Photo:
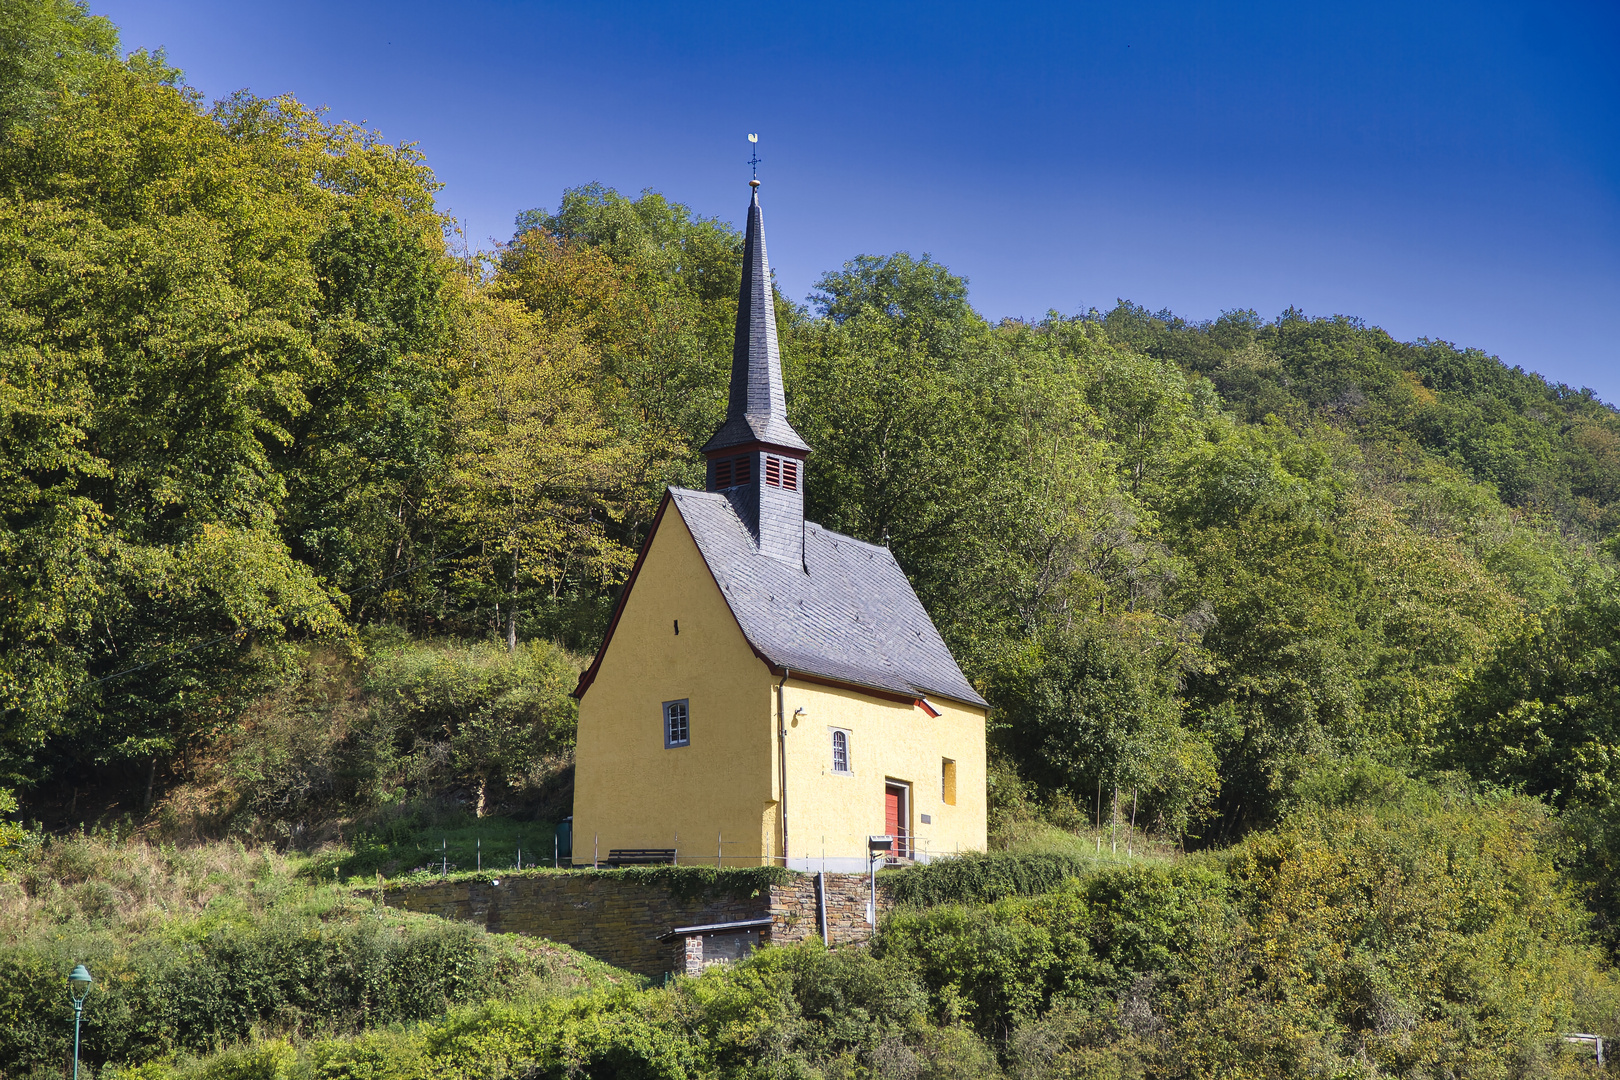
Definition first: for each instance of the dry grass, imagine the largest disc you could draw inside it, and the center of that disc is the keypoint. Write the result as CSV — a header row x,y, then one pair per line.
x,y
1033,835
134,885
295,731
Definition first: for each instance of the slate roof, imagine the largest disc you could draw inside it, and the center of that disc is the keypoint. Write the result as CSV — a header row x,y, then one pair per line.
x,y
756,411
852,618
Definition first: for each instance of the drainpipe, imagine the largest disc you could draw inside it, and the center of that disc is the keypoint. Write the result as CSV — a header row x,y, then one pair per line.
x,y
781,716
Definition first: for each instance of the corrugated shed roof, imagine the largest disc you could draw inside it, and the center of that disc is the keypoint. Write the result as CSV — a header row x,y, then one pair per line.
x,y
853,617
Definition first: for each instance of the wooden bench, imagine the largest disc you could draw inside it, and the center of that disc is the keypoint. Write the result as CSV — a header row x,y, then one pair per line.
x,y
641,856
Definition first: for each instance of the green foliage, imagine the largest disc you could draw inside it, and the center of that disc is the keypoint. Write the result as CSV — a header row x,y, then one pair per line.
x,y
1540,717
47,48
704,882
1425,932
1385,926
653,288
420,737
164,343
1542,713
1096,708
17,842
1404,930
1246,572
983,877
798,1012
913,292
497,714
1548,449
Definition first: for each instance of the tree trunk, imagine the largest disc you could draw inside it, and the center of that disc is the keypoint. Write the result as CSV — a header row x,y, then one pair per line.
x,y
151,780
511,615
483,788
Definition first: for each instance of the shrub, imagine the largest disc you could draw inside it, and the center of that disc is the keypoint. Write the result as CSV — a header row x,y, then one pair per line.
x,y
1426,935
983,878
17,842
797,1012
1002,965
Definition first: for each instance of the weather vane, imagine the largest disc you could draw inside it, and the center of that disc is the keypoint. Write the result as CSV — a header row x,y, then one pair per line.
x,y
754,157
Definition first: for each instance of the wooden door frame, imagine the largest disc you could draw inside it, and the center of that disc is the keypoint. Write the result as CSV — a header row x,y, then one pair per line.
x,y
903,843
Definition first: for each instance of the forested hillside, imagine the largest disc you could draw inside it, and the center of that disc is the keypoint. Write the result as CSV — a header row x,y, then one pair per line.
x,y
307,520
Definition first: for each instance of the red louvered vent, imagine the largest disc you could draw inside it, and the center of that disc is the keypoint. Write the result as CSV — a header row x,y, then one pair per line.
x,y
741,471
790,474
722,474
773,470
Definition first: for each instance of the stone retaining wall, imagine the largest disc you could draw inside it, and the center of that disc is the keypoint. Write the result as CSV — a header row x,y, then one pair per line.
x,y
603,915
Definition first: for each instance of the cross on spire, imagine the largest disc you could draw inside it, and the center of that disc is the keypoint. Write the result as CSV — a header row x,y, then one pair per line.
x,y
753,158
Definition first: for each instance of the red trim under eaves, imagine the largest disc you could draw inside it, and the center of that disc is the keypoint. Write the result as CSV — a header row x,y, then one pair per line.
x,y
870,691
752,447
588,676
840,684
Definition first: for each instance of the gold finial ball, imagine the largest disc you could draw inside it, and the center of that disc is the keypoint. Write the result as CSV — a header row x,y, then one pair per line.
x,y
753,183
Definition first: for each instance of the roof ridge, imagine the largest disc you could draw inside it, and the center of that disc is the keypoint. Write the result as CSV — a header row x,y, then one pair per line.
x,y
852,539
720,496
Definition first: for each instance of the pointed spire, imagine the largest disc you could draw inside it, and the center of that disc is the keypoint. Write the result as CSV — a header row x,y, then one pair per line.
x,y
757,410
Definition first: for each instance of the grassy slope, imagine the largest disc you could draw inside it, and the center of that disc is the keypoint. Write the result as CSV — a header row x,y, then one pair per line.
x,y
195,948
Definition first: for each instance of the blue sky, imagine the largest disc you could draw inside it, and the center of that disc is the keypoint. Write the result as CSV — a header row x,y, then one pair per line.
x,y
1443,170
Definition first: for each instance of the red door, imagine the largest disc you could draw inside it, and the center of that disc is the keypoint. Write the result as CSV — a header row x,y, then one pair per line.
x,y
894,817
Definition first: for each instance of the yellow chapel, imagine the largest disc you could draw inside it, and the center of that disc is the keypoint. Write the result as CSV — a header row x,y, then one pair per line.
x,y
769,691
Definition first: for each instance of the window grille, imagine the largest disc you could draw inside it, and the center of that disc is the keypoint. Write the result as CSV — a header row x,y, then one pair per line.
x,y
677,723
840,751
732,472
781,472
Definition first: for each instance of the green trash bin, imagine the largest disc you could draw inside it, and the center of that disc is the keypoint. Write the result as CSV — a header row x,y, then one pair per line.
x,y
565,839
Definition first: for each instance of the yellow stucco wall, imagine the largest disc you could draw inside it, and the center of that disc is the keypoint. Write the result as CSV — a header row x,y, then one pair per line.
x,y
631,791
888,741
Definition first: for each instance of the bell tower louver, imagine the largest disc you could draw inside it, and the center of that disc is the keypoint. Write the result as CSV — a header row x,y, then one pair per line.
x,y
756,459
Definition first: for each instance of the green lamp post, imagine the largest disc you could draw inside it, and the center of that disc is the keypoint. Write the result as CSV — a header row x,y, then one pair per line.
x,y
79,988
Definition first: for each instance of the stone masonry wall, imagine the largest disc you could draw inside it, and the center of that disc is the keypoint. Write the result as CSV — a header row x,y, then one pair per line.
x,y
620,921
794,915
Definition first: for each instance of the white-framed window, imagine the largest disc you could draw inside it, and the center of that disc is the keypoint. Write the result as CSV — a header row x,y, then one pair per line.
x,y
677,723
840,752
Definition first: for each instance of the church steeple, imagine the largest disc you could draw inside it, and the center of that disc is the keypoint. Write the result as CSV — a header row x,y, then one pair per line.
x,y
756,458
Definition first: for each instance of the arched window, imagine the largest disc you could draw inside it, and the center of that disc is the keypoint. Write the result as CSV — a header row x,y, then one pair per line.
x,y
677,723
840,751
